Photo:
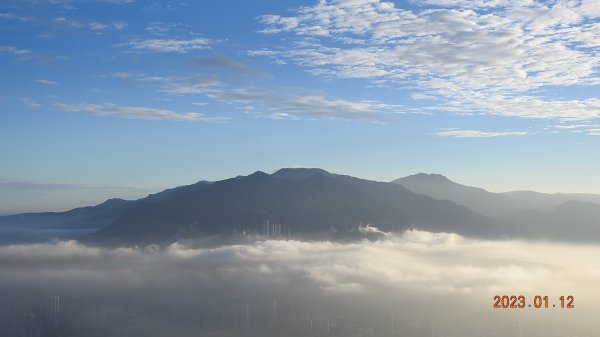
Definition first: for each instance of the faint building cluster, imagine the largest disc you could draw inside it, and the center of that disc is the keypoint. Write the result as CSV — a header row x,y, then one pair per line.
x,y
267,231
268,317
32,319
275,231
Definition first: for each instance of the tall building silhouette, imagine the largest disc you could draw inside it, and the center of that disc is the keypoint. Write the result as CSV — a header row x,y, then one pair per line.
x,y
52,312
274,310
266,229
246,316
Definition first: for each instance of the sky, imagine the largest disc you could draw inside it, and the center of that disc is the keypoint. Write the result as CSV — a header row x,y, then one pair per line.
x,y
121,98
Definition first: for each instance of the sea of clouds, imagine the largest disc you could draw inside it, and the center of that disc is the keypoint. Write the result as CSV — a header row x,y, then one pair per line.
x,y
415,275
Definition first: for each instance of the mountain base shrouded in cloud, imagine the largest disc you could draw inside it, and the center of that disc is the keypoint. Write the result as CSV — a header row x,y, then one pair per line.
x,y
411,284
313,204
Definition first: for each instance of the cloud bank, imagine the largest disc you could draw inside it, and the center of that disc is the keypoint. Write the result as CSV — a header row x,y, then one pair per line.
x,y
418,275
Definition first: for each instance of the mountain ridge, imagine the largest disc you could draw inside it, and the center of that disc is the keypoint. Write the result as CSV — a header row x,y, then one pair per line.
x,y
560,216
313,201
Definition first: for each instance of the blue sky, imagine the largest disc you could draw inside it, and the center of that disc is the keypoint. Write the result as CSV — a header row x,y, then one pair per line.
x,y
123,98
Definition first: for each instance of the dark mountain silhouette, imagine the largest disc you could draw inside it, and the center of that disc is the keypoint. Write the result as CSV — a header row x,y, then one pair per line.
x,y
316,204
299,173
312,201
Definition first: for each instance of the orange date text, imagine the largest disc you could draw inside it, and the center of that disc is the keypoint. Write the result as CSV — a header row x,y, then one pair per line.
x,y
537,302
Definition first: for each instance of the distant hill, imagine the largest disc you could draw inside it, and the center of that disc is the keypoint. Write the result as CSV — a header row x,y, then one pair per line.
x,y
439,187
77,223
560,216
570,221
547,202
73,224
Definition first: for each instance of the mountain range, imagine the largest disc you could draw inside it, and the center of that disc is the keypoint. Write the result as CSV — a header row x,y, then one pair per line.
x,y
315,204
560,216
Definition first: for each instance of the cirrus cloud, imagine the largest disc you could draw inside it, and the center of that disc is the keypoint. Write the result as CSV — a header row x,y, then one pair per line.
x,y
169,45
137,112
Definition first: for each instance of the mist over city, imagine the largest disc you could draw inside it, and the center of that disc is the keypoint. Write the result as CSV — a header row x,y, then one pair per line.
x,y
410,284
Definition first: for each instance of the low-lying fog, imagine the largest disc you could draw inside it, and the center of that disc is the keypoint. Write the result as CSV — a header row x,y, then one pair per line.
x,y
413,284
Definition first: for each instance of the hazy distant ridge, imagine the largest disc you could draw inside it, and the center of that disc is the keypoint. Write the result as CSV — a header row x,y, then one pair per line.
x,y
573,216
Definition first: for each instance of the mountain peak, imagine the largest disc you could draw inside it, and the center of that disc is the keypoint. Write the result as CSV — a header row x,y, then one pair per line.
x,y
295,173
431,177
258,174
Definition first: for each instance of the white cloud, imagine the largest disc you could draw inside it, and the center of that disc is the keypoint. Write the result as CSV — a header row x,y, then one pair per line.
x,y
169,45
278,24
48,82
172,85
140,77
136,112
571,126
283,105
30,103
261,52
593,132
473,3
91,25
477,133
197,87
65,22
422,96
457,50
11,16
13,50
161,28
521,106
589,8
